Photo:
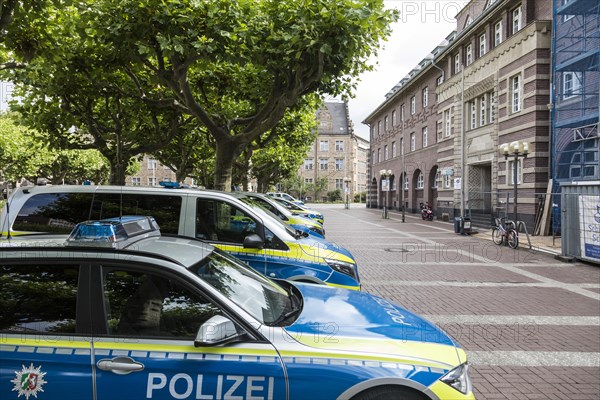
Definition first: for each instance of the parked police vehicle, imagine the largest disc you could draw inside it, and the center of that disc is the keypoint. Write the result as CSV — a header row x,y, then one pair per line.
x,y
119,311
262,241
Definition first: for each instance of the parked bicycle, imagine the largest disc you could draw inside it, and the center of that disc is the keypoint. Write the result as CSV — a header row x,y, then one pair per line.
x,y
505,232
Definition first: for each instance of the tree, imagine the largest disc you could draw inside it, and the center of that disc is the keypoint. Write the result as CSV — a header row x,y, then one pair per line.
x,y
72,90
237,66
321,185
189,153
282,156
19,154
24,154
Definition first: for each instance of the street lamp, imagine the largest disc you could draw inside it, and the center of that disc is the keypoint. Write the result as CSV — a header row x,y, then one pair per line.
x,y
517,149
385,188
347,192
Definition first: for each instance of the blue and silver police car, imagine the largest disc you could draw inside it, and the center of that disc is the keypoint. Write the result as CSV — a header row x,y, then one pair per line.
x,y
120,312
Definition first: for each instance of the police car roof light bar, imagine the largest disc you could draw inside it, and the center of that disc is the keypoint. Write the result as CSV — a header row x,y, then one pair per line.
x,y
113,232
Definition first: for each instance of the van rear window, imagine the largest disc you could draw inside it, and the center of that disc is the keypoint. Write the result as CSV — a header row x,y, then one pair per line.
x,y
59,212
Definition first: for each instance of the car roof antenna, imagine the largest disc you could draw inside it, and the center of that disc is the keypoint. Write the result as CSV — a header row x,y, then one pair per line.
x,y
8,218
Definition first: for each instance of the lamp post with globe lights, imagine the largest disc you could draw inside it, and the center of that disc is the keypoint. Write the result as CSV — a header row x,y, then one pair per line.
x,y
517,149
385,175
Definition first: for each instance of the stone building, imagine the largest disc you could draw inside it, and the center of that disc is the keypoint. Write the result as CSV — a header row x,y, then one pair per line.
x,y
337,155
152,172
439,129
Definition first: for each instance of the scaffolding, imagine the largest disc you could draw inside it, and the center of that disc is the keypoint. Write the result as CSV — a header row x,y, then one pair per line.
x,y
576,90
575,94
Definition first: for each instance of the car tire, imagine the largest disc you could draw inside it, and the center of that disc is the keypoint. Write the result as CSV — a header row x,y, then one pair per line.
x,y
389,392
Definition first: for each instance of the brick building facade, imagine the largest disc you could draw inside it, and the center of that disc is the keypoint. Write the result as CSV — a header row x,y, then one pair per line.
x,y
486,84
337,155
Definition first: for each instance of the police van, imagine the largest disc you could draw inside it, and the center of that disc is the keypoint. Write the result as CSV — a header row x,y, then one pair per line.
x,y
119,311
264,242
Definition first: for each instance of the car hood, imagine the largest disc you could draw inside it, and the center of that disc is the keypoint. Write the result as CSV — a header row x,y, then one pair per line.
x,y
323,246
357,322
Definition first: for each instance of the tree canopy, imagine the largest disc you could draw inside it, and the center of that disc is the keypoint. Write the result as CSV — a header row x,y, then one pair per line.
x,y
128,74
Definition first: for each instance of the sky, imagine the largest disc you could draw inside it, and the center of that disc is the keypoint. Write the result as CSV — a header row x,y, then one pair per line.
x,y
422,26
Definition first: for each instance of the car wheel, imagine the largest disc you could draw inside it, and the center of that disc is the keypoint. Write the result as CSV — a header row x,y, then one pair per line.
x,y
389,392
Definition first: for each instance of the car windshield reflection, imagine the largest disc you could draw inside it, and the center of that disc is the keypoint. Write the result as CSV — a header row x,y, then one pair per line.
x,y
260,297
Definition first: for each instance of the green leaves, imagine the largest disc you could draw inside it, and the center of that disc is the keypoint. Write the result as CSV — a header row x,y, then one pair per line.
x,y
125,72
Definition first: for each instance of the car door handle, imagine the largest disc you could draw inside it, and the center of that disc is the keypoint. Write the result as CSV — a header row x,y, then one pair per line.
x,y
120,365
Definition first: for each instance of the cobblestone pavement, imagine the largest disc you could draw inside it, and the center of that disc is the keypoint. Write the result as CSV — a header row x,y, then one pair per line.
x,y
529,323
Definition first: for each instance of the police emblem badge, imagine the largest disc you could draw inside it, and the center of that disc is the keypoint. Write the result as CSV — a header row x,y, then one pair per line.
x,y
29,381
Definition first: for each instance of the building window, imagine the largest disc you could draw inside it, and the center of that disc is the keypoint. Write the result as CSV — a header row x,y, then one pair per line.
x,y
413,105
308,164
402,113
571,84
406,182
151,181
497,33
425,97
511,169
413,142
394,118
385,152
482,45
378,127
482,110
323,164
436,180
386,123
308,180
469,54
339,145
473,105
152,164
393,149
457,63
440,79
446,181
324,145
420,181
516,20
515,93
567,17
492,107
339,184
136,181
447,125
424,135
379,155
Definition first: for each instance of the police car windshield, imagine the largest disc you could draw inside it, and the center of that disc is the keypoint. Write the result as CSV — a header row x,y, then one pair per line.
x,y
276,220
260,297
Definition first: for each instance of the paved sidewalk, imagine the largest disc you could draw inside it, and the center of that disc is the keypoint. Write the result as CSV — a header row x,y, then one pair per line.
x,y
530,323
545,244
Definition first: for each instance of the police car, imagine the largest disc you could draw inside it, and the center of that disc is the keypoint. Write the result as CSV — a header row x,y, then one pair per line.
x,y
263,241
120,312
298,222
299,209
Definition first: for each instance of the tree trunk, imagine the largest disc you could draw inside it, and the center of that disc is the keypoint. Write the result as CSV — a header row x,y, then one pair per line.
x,y
117,174
226,154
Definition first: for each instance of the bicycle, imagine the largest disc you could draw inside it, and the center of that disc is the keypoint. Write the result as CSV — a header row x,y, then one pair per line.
x,y
504,232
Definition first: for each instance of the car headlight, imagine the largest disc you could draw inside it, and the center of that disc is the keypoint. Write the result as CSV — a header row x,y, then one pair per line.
x,y
459,379
342,266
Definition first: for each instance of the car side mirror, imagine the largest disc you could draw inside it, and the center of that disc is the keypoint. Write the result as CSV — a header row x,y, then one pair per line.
x,y
253,241
217,330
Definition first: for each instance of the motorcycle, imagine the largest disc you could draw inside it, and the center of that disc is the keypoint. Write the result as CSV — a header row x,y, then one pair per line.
x,y
426,212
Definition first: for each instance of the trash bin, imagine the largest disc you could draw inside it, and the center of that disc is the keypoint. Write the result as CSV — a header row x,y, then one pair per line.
x,y
465,226
457,224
